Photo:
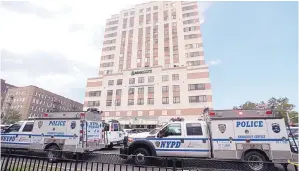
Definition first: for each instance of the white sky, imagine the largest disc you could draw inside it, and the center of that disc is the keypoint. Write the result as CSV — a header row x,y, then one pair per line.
x,y
72,29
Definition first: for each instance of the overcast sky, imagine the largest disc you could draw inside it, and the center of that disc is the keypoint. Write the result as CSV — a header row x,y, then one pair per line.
x,y
56,45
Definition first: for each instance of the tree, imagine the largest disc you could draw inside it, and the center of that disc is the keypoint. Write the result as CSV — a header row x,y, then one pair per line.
x,y
282,105
11,116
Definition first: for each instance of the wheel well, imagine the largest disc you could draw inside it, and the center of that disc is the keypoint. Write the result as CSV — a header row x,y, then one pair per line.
x,y
49,145
256,150
141,146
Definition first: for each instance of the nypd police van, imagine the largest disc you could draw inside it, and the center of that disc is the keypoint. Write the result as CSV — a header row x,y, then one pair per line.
x,y
113,133
250,135
59,133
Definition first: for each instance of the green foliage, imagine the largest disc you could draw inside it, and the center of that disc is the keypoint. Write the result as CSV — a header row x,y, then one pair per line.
x,y
11,116
281,104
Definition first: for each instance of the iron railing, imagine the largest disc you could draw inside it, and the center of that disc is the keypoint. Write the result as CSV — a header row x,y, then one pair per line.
x,y
36,161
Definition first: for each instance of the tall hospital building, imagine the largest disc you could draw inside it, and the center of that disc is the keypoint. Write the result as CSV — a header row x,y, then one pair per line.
x,y
152,66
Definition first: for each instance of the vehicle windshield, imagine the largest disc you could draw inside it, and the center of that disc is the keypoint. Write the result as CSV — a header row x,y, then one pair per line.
x,y
154,131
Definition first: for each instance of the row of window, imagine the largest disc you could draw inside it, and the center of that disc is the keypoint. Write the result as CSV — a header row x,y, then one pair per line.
x,y
111,48
193,46
165,89
107,57
108,64
150,101
194,63
191,36
193,54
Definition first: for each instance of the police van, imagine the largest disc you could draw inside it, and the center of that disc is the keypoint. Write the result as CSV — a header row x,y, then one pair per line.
x,y
113,133
59,133
250,135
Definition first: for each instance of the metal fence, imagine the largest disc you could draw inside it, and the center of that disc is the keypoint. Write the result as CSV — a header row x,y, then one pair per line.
x,y
36,161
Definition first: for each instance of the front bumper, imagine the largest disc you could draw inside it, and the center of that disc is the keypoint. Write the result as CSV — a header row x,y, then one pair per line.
x,y
124,152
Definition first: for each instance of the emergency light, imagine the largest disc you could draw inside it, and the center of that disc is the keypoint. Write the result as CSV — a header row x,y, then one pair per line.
x,y
46,115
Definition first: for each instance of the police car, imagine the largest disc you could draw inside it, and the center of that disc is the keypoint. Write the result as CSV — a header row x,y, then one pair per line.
x,y
59,133
113,133
250,135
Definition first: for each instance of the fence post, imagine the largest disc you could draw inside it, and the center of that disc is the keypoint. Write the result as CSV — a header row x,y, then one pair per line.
x,y
8,157
173,164
77,160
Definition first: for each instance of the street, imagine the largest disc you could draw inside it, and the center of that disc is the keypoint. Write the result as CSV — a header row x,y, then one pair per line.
x,y
103,160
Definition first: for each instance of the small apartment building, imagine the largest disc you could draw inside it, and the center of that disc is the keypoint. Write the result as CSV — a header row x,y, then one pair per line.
x,y
32,101
152,65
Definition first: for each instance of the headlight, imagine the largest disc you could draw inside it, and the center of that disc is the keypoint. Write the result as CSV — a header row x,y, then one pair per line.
x,y
130,140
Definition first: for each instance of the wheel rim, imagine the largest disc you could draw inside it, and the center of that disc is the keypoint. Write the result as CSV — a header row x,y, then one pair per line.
x,y
140,158
255,162
52,154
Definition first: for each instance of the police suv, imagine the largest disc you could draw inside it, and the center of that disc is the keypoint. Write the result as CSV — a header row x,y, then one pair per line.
x,y
59,133
250,135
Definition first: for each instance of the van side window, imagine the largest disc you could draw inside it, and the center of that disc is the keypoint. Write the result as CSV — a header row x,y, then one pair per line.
x,y
194,129
174,129
28,127
14,128
115,127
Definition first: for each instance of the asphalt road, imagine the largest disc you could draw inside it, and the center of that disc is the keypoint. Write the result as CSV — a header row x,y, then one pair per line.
x,y
103,160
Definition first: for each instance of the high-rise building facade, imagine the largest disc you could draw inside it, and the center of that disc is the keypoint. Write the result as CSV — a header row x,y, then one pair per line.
x,y
4,88
152,63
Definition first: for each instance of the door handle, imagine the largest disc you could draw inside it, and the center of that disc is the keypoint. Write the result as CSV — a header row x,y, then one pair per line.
x,y
182,140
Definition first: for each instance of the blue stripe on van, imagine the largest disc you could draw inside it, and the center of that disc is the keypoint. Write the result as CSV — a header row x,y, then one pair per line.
x,y
187,150
214,139
38,135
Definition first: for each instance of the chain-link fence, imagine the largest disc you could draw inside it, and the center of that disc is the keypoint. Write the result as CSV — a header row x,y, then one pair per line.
x,y
42,161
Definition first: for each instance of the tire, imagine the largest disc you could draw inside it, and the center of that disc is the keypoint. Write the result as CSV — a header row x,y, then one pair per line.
x,y
110,146
140,157
257,157
53,153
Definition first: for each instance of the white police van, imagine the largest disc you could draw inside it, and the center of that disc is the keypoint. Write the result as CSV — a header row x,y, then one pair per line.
x,y
59,133
251,135
113,133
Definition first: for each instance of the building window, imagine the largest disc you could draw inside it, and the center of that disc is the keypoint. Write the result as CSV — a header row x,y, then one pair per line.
x,y
131,90
151,79
94,93
91,104
176,88
119,82
176,99
197,99
140,101
175,77
118,92
117,102
165,100
108,102
110,82
132,81
150,101
131,102
140,90
192,87
155,7
164,77
151,89
109,92
165,89
141,80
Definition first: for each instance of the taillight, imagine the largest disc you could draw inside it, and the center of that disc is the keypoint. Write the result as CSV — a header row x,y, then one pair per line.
x,y
269,112
212,113
46,115
82,114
